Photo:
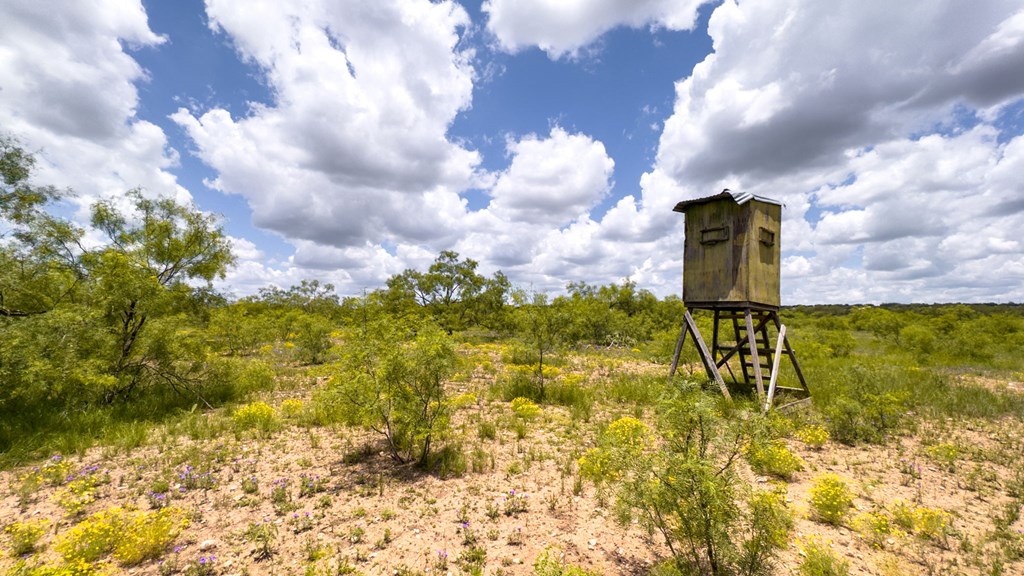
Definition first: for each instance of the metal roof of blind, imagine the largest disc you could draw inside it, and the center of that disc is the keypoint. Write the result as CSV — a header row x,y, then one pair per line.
x,y
738,197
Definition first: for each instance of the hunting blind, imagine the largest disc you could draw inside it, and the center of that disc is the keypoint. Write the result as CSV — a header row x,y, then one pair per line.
x,y
731,267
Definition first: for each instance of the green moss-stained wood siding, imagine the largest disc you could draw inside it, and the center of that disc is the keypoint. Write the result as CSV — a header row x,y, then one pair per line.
x,y
736,267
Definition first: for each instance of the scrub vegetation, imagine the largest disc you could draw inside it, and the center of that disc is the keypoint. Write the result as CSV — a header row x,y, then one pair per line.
x,y
450,423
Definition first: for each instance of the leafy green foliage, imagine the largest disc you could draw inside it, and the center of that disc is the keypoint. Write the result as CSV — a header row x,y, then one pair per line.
x,y
451,291
88,326
541,327
392,381
684,486
312,338
770,521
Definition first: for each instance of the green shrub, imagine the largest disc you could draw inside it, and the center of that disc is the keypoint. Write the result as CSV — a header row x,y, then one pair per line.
x,y
770,523
462,400
312,338
293,409
869,418
254,376
831,499
262,535
684,484
622,442
392,381
927,523
944,454
933,524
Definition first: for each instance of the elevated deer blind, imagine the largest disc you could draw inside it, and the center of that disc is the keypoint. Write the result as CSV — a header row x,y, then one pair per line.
x,y
731,267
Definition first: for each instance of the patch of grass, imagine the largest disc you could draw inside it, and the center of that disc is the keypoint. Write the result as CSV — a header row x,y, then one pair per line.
x,y
549,564
573,395
487,430
634,389
450,461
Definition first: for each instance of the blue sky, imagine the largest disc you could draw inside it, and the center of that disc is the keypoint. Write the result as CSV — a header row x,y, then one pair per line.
x,y
347,141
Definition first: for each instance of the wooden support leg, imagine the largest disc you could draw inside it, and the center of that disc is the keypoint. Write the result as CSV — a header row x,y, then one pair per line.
x,y
792,356
679,350
775,368
705,354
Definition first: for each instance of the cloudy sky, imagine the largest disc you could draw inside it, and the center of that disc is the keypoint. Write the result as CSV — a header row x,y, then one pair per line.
x,y
347,140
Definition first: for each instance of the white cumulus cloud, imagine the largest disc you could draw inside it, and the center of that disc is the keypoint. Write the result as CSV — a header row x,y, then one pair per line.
x,y
561,27
68,94
354,146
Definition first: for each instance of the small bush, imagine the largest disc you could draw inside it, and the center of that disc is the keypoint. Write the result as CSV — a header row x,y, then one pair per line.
x,y
487,430
945,455
524,408
597,466
774,458
814,435
255,376
876,527
25,535
771,521
932,524
831,499
621,443
462,400
293,409
820,561
258,416
263,535
927,523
